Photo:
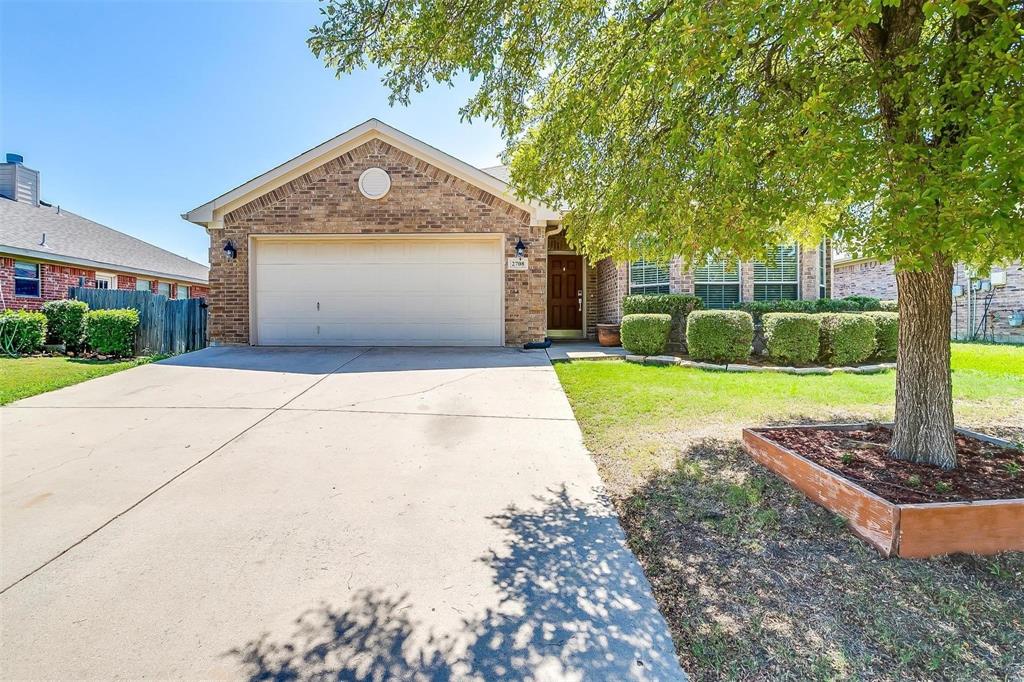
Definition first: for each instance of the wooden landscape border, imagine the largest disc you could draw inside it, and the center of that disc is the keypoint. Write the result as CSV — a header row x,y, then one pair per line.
x,y
904,530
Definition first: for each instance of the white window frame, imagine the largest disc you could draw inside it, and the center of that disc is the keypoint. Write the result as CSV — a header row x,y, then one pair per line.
x,y
38,279
822,269
109,278
656,287
149,284
778,278
727,278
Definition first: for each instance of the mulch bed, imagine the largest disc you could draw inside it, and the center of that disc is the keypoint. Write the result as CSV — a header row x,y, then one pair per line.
x,y
984,471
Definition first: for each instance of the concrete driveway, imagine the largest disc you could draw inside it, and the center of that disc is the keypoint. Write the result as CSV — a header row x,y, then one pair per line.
x,y
293,513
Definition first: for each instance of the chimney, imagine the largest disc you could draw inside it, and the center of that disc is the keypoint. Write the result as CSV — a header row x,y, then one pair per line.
x,y
18,182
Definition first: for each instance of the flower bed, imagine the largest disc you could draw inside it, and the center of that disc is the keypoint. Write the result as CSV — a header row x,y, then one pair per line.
x,y
901,508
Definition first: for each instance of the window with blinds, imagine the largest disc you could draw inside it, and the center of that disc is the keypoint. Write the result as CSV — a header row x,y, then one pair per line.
x,y
647,277
778,279
717,284
822,269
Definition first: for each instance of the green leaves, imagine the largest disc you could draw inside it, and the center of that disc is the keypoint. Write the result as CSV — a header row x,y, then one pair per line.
x,y
734,125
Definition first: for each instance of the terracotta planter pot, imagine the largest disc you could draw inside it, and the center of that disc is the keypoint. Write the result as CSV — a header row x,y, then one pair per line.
x,y
608,335
905,530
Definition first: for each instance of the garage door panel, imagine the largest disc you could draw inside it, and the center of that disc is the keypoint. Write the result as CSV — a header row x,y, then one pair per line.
x,y
379,292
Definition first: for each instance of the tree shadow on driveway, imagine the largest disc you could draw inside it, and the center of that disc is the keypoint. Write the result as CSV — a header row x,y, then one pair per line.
x,y
574,605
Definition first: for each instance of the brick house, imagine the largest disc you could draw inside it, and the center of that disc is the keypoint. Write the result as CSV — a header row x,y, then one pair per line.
x,y
376,238
983,307
45,249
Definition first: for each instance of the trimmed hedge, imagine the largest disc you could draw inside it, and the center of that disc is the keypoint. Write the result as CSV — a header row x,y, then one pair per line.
x,y
112,332
645,333
846,338
21,331
851,304
65,322
792,337
664,304
887,333
865,303
719,335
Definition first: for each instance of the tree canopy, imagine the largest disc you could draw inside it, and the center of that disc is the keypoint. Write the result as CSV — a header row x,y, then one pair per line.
x,y
732,125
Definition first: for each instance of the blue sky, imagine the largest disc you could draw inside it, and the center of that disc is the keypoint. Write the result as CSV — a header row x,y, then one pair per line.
x,y
137,112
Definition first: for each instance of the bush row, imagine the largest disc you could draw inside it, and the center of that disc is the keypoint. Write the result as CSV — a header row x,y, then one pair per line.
x,y
108,332
794,338
850,304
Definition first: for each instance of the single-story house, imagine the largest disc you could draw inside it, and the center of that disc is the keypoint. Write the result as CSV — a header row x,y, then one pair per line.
x,y
376,238
45,249
985,306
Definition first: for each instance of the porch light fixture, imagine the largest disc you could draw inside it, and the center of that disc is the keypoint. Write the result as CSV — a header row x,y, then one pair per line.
x,y
229,250
520,248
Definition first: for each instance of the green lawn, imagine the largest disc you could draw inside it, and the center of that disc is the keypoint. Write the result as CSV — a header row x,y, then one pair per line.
x,y
756,582
24,377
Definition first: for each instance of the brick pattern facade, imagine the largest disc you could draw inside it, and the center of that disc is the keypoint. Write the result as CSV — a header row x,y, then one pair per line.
x,y
978,315
613,282
55,279
423,200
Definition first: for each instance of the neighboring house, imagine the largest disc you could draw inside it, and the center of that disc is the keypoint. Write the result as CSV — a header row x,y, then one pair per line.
x,y
375,237
45,249
987,307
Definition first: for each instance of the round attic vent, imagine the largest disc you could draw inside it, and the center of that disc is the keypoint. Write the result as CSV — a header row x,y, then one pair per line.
x,y
374,183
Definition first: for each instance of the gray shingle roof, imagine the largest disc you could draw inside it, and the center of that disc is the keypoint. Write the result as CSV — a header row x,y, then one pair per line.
x,y
500,172
71,236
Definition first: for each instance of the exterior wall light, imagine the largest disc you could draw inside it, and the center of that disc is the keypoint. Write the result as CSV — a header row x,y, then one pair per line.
x,y
229,250
520,248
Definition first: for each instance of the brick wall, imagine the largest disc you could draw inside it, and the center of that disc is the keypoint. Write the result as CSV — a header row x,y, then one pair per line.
x,y
613,282
864,278
978,315
423,200
55,280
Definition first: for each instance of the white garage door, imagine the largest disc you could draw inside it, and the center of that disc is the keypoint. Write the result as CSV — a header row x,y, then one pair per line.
x,y
395,292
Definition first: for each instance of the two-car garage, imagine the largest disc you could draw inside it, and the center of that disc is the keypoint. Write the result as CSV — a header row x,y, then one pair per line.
x,y
437,290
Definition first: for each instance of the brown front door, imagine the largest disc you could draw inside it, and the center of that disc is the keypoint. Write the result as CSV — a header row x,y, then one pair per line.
x,y
565,292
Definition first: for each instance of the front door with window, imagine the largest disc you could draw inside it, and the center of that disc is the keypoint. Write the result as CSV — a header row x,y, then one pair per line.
x,y
565,293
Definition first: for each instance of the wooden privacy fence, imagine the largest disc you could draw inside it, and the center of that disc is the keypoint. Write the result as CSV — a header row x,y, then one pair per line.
x,y
165,326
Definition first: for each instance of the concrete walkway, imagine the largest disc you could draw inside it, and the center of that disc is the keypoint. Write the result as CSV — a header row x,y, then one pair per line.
x,y
408,514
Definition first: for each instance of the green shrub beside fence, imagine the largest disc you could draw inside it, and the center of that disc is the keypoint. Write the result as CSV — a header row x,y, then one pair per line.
x,y
21,331
719,335
112,332
792,337
846,338
645,333
65,322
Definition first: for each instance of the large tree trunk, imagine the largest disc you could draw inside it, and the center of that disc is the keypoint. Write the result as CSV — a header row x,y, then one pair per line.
x,y
924,391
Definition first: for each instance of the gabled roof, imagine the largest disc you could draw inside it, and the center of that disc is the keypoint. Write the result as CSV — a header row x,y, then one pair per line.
x,y
75,240
211,214
500,172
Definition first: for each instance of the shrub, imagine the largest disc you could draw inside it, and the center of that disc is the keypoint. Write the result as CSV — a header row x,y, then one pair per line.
x,y
111,332
719,335
864,302
21,331
820,305
65,322
889,306
887,332
792,337
664,304
645,333
846,338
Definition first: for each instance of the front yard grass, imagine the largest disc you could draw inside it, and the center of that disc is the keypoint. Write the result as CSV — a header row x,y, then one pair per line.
x,y
24,377
758,583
